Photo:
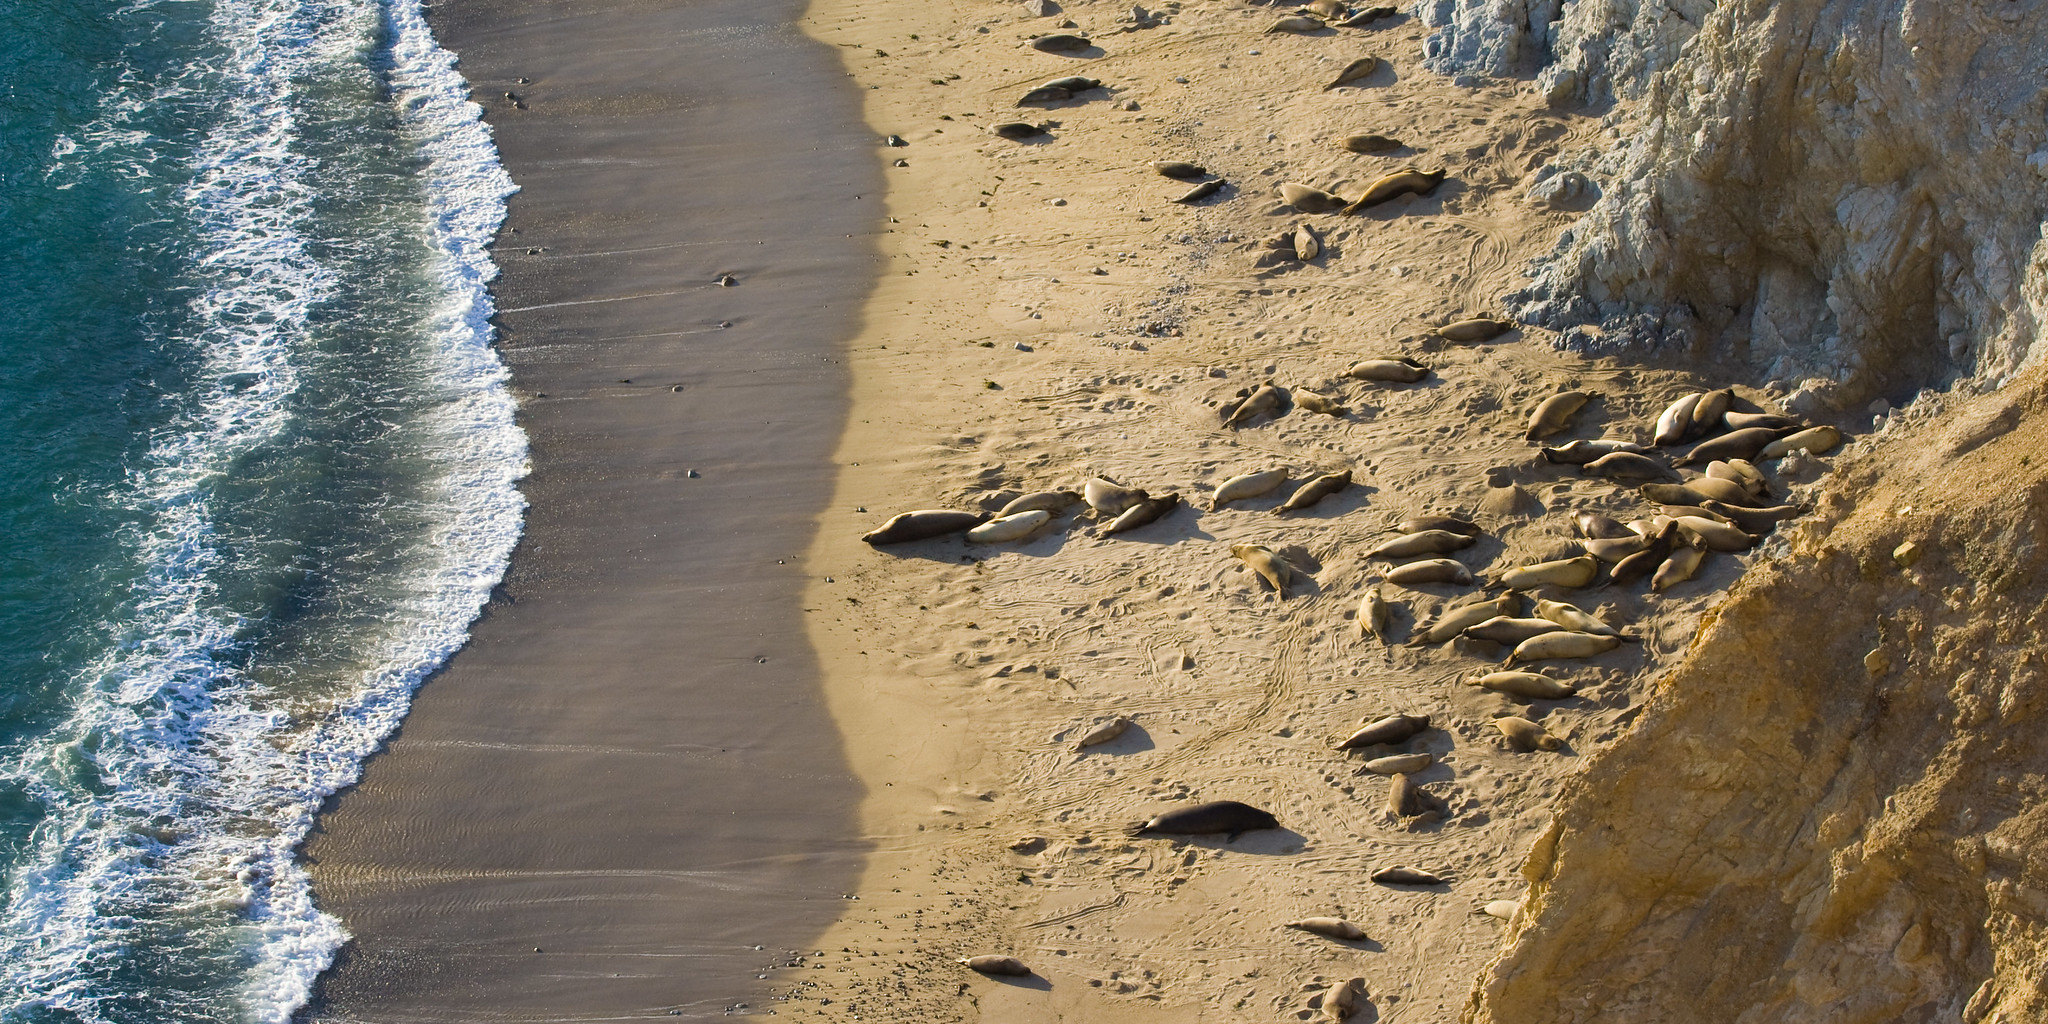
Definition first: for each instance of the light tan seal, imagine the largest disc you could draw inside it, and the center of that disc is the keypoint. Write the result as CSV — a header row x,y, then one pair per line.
x,y
1309,199
1363,67
1555,413
1105,732
1430,570
1307,244
1478,328
1048,501
1269,565
1425,542
1314,491
1388,730
1561,644
993,963
1457,619
1250,485
1299,24
1814,440
1263,400
1330,928
1525,736
1373,614
1532,685
1109,498
1564,572
1390,370
1015,526
1397,184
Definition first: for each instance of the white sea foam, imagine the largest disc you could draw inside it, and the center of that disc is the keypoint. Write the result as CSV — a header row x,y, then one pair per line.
x,y
179,786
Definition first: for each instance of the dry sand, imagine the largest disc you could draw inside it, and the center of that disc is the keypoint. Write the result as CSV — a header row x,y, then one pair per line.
x,y
1048,314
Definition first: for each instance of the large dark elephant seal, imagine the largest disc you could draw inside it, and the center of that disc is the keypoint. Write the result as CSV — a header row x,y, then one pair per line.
x,y
923,524
1399,183
1217,817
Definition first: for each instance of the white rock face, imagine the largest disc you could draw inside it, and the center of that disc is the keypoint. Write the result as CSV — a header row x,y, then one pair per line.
x,y
1846,196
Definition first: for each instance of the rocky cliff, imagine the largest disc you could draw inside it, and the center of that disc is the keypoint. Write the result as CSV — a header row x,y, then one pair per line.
x,y
1845,196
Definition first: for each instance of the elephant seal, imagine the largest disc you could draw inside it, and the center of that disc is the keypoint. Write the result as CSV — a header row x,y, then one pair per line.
x,y
1344,1000
1815,440
1532,685
1147,511
1614,550
1309,401
1399,370
1367,16
1217,817
1299,24
1105,732
1059,89
1743,420
1426,542
1325,9
1525,736
1388,730
1676,421
1370,145
1397,184
1508,630
1330,928
1430,570
1677,569
1555,413
1060,42
1707,413
1179,169
1564,572
1580,453
1363,67
1646,561
923,524
1753,520
1314,491
1264,400
1016,526
1373,613
1018,130
1713,536
1692,492
1561,644
1403,875
1250,485
1275,569
1201,192
1741,444
1457,619
1593,524
1626,466
1307,244
1571,616
1478,328
1502,909
1049,501
1109,498
1309,199
1404,797
1742,471
1448,524
991,963
1400,764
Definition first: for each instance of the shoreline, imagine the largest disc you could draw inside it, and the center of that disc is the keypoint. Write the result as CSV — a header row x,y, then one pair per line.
x,y
629,766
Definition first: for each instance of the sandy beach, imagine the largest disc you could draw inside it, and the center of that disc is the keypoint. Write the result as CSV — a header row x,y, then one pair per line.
x,y
625,797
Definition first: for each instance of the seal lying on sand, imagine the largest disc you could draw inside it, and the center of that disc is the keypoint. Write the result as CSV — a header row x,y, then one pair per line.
x,y
1391,369
1314,491
1399,183
1478,328
1227,817
923,524
1309,199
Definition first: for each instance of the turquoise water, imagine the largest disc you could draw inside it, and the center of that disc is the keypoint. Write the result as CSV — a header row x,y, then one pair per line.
x,y
257,472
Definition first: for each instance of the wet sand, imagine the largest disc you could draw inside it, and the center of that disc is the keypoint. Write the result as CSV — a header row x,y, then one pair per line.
x,y
631,766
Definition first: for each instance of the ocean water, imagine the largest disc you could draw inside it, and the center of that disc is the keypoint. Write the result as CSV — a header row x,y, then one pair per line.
x,y
258,472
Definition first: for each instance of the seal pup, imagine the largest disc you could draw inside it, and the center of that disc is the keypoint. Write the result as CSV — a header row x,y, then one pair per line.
x,y
1571,616
1015,526
1626,466
1478,328
1179,169
922,524
1560,645
1525,736
1363,67
1449,524
1307,244
1049,501
1309,199
1430,570
1060,42
1370,145
1344,1000
1299,24
1532,685
1109,498
1563,572
1330,928
1580,453
1681,566
1262,559
1458,618
1373,614
1146,511
1400,764
1509,631
1389,730
1813,440
1018,130
1397,184
1105,732
1309,401
1314,491
992,963
1201,191
1425,542
1675,421
1226,817
1391,370
1264,400
1555,413
1250,485
1741,444
1403,875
